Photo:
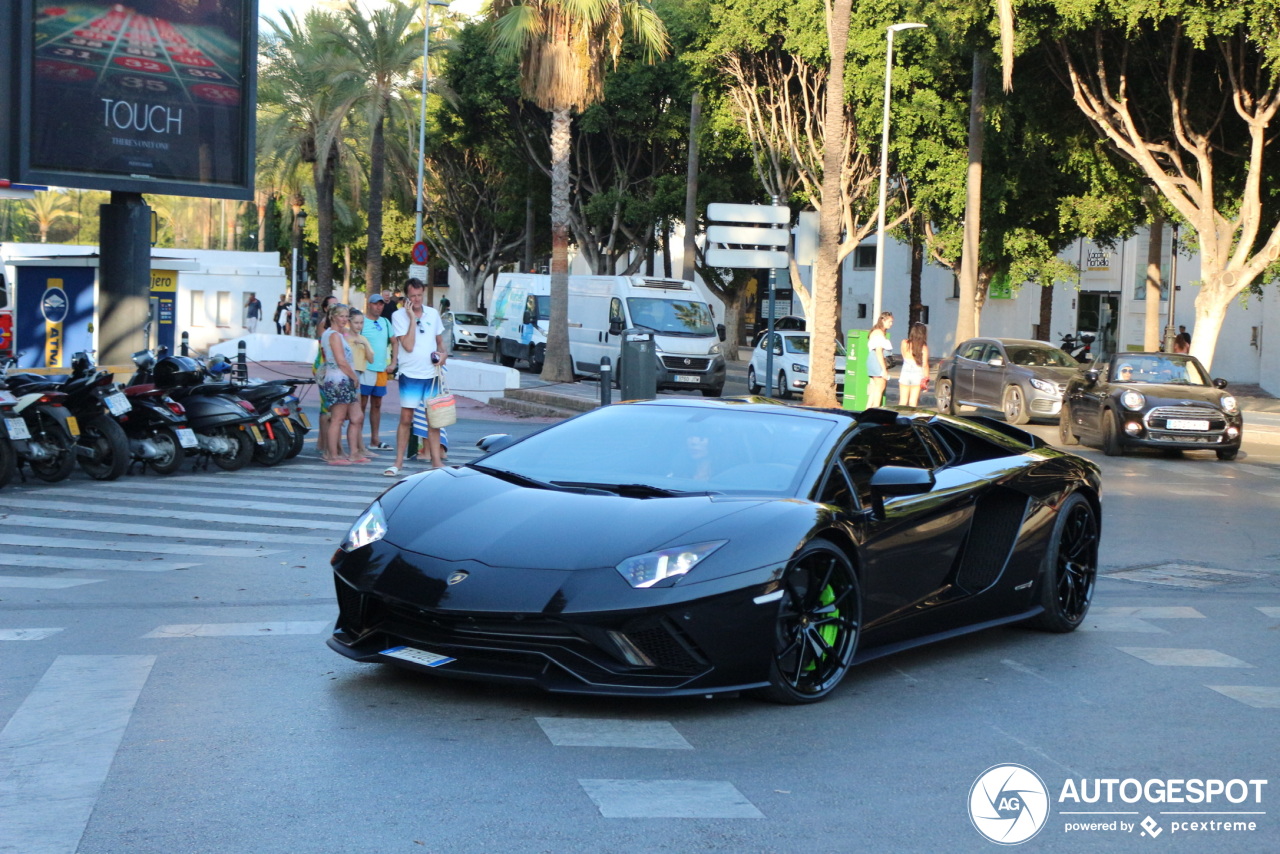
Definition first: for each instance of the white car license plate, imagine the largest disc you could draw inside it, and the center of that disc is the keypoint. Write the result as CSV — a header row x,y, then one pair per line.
x,y
417,656
1183,424
187,437
118,403
686,378
17,428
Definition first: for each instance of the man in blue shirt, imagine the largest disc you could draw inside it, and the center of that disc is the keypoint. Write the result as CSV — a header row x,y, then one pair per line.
x,y
373,382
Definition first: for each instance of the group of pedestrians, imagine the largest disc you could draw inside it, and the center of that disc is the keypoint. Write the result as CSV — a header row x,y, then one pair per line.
x,y
358,355
914,376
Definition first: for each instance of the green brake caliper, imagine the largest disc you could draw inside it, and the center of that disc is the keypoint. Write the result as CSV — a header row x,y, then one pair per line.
x,y
830,631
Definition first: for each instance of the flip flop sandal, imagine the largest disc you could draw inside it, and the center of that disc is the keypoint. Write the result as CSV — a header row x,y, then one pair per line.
x,y
391,471
339,462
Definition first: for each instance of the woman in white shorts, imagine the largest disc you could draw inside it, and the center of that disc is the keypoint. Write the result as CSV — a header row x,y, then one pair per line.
x,y
915,366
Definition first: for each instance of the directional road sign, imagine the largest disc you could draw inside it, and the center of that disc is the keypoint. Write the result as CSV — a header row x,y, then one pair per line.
x,y
748,245
766,214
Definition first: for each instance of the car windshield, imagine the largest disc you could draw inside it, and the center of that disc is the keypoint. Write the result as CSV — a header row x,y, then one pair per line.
x,y
672,316
670,450
1162,370
1039,357
470,319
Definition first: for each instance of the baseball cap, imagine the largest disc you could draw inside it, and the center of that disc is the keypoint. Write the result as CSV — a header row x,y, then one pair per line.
x,y
376,298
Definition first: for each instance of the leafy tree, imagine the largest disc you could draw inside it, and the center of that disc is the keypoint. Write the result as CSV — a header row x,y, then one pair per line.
x,y
48,208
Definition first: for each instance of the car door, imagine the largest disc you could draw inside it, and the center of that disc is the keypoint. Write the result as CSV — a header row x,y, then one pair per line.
x,y
968,357
1086,401
988,378
911,548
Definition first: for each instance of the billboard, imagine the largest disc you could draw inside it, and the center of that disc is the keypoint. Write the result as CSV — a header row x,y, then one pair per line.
x,y
153,96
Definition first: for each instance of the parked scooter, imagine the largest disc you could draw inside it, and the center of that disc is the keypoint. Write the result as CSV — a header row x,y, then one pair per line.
x,y
156,425
97,404
40,431
280,418
226,427
8,457
1079,347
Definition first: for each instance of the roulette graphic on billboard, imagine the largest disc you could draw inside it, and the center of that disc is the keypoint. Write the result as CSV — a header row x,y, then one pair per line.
x,y
124,95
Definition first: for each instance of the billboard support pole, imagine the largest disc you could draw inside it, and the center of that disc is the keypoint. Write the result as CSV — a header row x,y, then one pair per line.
x,y
124,277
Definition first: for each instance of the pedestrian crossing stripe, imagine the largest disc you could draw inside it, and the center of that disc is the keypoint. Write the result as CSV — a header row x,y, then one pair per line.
x,y
228,500
164,548
220,630
80,526
184,515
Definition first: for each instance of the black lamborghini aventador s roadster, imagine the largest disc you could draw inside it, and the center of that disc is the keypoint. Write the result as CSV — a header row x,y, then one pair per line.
x,y
700,546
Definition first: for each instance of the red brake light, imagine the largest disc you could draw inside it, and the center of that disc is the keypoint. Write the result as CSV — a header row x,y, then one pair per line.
x,y
247,405
175,407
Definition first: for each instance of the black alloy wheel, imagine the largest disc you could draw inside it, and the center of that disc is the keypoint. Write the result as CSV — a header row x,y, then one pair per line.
x,y
1070,567
1015,405
53,436
108,448
244,449
945,398
817,628
172,454
753,387
1110,436
1066,435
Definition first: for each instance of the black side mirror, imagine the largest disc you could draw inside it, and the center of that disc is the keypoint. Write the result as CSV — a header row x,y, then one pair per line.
x,y
495,442
901,480
721,331
615,327
1219,383
1091,376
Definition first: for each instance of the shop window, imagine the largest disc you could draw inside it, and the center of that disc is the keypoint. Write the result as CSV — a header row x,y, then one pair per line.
x,y
198,317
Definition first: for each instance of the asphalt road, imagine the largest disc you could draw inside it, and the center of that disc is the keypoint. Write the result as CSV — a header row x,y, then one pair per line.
x,y
165,687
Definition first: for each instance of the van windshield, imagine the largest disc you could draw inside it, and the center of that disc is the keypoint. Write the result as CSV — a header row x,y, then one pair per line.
x,y
671,316
544,307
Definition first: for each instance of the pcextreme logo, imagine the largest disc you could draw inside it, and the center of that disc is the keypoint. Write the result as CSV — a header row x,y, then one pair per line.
x,y
1009,804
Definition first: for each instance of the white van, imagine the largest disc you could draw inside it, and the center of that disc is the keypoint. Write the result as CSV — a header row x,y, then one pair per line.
x,y
687,340
518,319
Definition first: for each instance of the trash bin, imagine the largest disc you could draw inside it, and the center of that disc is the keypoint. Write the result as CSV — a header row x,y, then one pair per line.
x,y
638,368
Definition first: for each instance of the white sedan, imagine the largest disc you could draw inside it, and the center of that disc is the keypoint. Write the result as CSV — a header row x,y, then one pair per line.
x,y
468,330
790,364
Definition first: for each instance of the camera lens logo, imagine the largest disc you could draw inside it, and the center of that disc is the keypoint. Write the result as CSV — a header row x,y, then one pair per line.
x,y
1008,804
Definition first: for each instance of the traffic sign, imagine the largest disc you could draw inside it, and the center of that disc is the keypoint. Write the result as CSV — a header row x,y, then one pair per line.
x,y
748,235
766,214
419,272
746,258
419,254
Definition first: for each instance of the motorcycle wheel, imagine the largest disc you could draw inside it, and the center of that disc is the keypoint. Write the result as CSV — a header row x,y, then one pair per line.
x,y
48,430
172,454
8,462
273,451
104,436
299,440
244,450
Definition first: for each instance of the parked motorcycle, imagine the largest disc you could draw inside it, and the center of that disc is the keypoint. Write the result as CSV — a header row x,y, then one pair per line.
x,y
280,417
8,457
41,433
1079,346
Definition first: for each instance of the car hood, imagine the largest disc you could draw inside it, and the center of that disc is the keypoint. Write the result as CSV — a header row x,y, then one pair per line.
x,y
1050,373
1173,394
464,514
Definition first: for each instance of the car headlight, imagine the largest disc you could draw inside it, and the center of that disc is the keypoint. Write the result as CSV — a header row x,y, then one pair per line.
x,y
369,528
1048,387
1228,404
1132,399
799,368
646,570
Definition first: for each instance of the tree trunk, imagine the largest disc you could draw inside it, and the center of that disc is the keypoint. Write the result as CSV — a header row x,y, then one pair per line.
x,y
733,324
1044,330
915,313
323,173
821,390
1155,252
529,231
967,319
558,368
346,274
377,183
691,194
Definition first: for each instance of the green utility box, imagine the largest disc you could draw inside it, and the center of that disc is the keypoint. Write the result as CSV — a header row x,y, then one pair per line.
x,y
855,369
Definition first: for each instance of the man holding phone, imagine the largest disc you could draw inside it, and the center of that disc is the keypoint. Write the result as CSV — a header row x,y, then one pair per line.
x,y
419,336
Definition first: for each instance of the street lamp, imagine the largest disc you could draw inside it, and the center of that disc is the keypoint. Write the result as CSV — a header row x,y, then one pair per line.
x,y
422,114
884,169
299,222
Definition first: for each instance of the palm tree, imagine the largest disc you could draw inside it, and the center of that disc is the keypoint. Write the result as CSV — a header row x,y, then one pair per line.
x,y
385,45
306,90
47,208
564,48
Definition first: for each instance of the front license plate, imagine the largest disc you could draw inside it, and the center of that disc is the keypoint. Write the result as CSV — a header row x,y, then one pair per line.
x,y
187,437
417,656
1182,424
73,425
306,422
255,433
17,428
686,378
118,403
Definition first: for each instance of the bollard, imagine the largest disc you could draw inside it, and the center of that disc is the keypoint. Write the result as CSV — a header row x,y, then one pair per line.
x,y
242,364
186,350
606,381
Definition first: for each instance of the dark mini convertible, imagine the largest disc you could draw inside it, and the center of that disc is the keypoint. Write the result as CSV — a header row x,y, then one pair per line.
x,y
1151,400
691,547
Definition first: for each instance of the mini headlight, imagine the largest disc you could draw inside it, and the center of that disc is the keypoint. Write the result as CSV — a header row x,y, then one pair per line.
x,y
1132,399
799,368
1044,386
1228,404
646,570
369,528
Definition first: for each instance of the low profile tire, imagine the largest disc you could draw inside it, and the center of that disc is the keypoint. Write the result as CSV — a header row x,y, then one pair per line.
x,y
1015,406
1227,454
1110,439
172,454
1066,436
244,450
48,430
784,390
753,387
1070,568
946,399
817,628
713,392
109,446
